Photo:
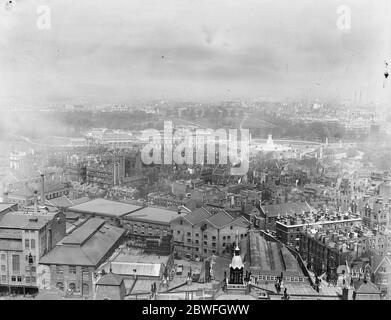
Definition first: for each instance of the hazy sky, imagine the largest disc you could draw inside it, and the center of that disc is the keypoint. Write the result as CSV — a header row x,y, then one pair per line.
x,y
116,50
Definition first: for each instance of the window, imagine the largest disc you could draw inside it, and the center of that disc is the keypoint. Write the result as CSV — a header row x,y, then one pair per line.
x,y
231,227
19,278
33,279
178,232
224,238
213,238
33,269
13,279
72,269
188,240
2,267
27,279
213,244
205,236
32,243
3,256
223,244
4,279
197,235
15,262
26,243
189,234
206,243
197,242
84,270
59,270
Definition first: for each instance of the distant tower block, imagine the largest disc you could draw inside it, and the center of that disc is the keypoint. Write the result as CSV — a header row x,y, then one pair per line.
x,y
327,141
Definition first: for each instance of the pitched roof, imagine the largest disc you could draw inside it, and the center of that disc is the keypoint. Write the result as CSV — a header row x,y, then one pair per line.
x,y
152,214
220,219
110,279
86,246
82,234
5,206
105,207
268,257
197,216
378,261
367,288
60,202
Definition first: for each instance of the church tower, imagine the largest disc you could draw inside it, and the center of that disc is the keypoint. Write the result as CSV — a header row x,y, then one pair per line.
x,y
236,267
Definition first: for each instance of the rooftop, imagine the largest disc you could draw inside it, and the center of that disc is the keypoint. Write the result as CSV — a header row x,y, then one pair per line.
x,y
26,220
274,210
110,279
105,207
5,206
272,258
152,214
86,246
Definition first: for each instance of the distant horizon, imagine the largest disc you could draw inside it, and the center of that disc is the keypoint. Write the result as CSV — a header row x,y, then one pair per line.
x,y
121,50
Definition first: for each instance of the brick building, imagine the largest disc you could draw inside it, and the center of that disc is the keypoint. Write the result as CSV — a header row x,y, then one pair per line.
x,y
206,231
26,236
72,263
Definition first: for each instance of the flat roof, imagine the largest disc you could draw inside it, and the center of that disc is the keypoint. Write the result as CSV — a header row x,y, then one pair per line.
x,y
105,207
152,214
137,256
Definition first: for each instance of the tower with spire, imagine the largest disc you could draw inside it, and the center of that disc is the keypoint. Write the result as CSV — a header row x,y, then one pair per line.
x,y
236,267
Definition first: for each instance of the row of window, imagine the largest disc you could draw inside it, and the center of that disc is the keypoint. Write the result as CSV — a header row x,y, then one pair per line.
x,y
18,279
213,237
71,269
274,278
197,250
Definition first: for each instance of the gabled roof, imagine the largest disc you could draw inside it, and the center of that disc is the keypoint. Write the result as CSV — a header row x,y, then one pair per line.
x,y
367,288
220,219
197,216
82,234
86,246
378,261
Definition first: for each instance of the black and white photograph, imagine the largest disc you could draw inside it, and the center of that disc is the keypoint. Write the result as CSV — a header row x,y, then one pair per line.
x,y
162,151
